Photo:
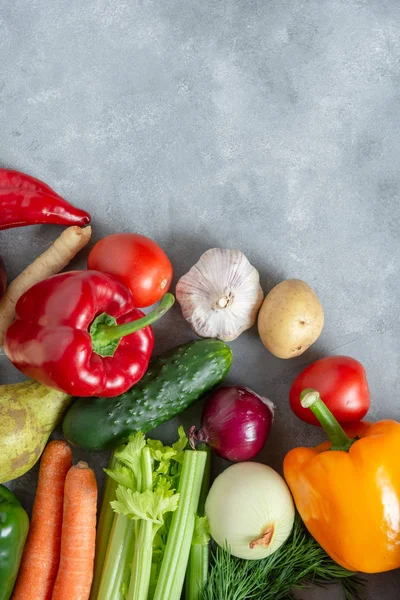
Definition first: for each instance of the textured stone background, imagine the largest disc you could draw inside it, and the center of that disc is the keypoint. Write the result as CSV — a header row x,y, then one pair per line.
x,y
272,127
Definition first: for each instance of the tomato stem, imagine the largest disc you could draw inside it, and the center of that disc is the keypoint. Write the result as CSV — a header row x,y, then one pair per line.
x,y
311,399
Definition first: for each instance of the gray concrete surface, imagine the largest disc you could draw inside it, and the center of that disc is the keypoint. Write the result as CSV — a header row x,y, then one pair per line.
x,y
268,126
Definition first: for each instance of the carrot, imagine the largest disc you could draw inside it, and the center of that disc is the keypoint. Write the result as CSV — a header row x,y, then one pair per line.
x,y
78,538
52,261
40,559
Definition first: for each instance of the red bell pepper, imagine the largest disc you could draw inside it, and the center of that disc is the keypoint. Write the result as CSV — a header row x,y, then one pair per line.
x,y
25,200
80,332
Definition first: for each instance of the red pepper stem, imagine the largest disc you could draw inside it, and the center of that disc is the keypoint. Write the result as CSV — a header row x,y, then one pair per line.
x,y
311,399
109,333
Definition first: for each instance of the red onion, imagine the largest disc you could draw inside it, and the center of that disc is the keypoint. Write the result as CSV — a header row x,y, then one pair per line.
x,y
235,423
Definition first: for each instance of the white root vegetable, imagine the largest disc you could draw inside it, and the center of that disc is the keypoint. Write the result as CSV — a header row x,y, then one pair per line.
x,y
52,261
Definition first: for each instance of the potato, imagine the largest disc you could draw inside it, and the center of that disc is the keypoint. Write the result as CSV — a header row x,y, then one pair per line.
x,y
291,318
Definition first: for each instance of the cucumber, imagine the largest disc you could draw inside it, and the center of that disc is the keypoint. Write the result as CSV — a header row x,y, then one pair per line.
x,y
172,383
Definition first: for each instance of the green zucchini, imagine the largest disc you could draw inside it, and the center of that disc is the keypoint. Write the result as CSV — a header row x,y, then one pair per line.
x,y
172,383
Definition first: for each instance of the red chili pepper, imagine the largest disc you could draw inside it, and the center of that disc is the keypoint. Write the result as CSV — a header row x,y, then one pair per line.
x,y
25,200
80,332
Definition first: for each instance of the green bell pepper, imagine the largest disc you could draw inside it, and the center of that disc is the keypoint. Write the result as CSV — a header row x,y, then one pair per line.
x,y
14,525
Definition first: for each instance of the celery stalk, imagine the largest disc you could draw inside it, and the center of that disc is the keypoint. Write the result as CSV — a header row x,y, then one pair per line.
x,y
205,484
118,558
197,570
103,529
141,565
176,555
146,472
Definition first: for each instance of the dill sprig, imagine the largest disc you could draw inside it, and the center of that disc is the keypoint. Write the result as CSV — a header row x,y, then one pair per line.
x,y
299,563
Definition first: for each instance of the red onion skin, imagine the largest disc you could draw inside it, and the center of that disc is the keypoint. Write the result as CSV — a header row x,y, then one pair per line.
x,y
235,423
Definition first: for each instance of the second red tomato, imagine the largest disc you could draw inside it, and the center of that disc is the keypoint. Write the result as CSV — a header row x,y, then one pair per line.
x,y
137,261
342,384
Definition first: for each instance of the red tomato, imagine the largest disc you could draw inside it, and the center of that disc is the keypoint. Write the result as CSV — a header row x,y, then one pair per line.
x,y
342,384
137,261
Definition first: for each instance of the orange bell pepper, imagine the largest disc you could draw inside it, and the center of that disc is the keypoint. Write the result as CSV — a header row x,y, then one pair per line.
x,y
347,491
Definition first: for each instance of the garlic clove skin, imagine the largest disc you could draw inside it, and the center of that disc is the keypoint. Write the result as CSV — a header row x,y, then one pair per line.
x,y
221,294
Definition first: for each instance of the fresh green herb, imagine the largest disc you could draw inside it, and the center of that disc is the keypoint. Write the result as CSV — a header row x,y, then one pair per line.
x,y
296,564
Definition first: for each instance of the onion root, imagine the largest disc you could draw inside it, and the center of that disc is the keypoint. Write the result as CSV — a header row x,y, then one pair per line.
x,y
265,539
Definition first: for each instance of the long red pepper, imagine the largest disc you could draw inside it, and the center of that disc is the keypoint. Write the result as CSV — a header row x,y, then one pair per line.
x,y
25,200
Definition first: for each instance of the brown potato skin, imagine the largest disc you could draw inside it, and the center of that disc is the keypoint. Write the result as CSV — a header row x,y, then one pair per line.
x,y
291,318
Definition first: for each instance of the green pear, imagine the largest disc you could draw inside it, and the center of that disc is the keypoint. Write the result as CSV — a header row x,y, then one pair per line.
x,y
29,412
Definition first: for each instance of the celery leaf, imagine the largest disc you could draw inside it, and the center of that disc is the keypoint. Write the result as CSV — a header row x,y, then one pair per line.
x,y
130,454
148,505
201,534
180,445
123,476
159,452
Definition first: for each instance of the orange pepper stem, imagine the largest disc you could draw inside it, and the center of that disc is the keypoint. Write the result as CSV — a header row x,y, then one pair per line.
x,y
311,399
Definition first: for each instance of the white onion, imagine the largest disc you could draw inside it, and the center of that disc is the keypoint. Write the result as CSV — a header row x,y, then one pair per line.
x,y
250,502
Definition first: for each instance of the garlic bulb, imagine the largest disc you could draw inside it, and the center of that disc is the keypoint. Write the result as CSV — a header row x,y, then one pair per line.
x,y
220,295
